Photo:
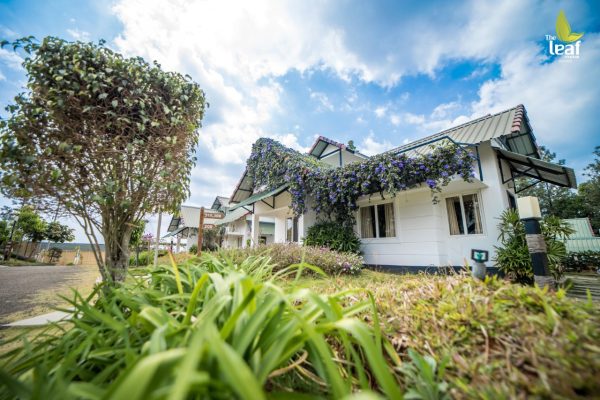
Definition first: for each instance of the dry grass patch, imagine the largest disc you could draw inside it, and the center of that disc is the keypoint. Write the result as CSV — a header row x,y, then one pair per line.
x,y
500,340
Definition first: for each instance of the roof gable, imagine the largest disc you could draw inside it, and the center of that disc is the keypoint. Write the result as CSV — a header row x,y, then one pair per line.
x,y
319,146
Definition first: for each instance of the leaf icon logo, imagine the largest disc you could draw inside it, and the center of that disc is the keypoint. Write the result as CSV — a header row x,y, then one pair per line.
x,y
563,29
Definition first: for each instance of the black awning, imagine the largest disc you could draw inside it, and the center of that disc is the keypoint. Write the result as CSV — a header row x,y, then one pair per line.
x,y
543,171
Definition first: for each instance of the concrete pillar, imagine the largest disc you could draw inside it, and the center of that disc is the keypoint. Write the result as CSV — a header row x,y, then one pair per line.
x,y
279,234
255,230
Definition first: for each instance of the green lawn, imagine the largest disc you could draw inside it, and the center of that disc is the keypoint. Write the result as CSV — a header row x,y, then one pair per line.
x,y
495,339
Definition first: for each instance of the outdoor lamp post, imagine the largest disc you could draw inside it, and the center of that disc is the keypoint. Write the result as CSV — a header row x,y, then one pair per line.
x,y
480,257
529,212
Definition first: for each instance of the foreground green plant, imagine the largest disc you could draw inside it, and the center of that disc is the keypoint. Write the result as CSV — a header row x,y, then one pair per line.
x,y
512,256
206,328
333,236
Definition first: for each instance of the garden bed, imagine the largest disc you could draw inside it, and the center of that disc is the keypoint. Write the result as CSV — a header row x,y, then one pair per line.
x,y
487,339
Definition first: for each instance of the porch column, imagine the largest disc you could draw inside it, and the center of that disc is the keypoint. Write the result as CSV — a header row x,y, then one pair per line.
x,y
255,230
279,233
177,246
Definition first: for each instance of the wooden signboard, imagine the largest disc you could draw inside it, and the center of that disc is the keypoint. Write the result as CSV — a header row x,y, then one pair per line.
x,y
213,215
209,226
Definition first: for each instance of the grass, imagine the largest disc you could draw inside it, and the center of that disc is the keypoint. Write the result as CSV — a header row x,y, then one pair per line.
x,y
441,336
204,329
500,340
15,262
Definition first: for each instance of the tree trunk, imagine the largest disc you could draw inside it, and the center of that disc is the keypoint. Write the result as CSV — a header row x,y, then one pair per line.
x,y
116,251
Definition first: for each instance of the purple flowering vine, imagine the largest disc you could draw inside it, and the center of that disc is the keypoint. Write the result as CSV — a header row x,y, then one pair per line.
x,y
335,190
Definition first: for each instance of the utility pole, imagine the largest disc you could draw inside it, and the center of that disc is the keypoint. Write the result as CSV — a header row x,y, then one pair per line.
x,y
157,240
200,231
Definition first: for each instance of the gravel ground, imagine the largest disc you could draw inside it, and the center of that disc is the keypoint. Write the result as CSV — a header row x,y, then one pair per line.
x,y
24,290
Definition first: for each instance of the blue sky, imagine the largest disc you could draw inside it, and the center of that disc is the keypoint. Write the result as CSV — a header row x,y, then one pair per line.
x,y
379,73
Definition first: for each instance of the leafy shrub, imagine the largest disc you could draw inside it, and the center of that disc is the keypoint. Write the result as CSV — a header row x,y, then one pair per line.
x,y
512,256
206,329
334,236
425,377
54,253
193,249
146,257
286,254
582,261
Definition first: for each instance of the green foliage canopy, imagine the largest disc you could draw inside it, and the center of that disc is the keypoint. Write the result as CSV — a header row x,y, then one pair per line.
x,y
107,137
59,233
512,256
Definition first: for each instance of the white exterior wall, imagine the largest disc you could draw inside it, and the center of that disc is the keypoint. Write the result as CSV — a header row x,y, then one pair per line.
x,y
334,159
422,233
234,231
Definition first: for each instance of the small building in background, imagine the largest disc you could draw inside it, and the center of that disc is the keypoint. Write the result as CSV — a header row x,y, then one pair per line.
x,y
584,238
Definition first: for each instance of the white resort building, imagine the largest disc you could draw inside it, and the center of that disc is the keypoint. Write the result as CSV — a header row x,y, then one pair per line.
x,y
408,231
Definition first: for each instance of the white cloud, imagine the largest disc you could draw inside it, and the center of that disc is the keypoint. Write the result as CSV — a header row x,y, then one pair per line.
x,y
395,119
443,110
2,77
413,119
79,35
237,50
370,146
380,111
10,58
323,100
562,98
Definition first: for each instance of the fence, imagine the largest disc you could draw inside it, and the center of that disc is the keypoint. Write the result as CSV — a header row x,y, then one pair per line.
x,y
67,257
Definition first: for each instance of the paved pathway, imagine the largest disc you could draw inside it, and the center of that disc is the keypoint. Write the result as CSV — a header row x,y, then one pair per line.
x,y
582,283
19,285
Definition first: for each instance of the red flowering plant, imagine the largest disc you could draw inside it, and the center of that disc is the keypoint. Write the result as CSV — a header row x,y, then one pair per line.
x,y
335,190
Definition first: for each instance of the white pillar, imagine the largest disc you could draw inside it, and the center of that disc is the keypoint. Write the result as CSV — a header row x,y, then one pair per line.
x,y
255,230
279,234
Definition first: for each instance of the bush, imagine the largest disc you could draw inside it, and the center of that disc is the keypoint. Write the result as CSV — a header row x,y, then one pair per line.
x,y
54,253
581,261
207,330
334,236
286,254
146,257
512,256
193,249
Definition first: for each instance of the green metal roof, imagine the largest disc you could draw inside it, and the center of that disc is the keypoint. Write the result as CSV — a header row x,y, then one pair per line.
x,y
232,216
583,239
259,196
582,227
509,123
581,245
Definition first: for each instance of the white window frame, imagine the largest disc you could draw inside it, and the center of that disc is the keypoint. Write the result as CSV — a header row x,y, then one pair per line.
x,y
464,216
379,203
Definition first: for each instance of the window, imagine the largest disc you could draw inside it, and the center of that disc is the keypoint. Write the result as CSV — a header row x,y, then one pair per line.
x,y
377,221
291,229
464,215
